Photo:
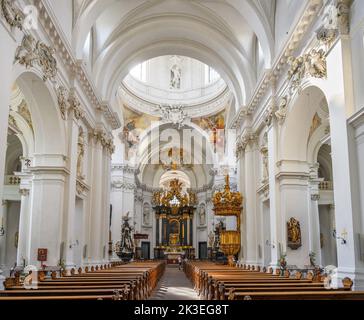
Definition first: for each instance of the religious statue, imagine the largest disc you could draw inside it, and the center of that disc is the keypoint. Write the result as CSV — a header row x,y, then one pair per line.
x,y
175,77
80,154
126,244
218,229
202,215
146,214
211,239
265,160
294,234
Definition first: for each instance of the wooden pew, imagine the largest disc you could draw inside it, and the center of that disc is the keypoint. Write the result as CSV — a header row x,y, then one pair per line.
x,y
118,281
214,282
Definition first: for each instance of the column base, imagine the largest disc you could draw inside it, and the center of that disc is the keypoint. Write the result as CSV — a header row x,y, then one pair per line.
x,y
356,275
2,279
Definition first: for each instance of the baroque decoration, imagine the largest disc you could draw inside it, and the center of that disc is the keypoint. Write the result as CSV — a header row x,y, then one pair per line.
x,y
281,113
312,64
24,111
32,52
174,210
294,234
166,198
13,16
80,154
173,114
62,97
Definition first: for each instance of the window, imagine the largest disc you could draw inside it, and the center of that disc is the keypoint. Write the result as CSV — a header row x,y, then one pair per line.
x,y
210,75
140,71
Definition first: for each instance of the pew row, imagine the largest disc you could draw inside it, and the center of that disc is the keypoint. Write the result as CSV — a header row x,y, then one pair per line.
x,y
216,282
134,281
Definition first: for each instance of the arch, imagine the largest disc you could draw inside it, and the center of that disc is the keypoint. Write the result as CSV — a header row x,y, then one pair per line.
x,y
25,136
13,153
295,131
260,26
145,142
238,77
175,174
49,129
247,9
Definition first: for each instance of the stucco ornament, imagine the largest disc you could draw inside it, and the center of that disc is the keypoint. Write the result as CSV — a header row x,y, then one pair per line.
x,y
33,53
13,16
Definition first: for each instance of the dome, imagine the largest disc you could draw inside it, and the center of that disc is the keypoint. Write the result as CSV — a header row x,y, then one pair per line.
x,y
173,80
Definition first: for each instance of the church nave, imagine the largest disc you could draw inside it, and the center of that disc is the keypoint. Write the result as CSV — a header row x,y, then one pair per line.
x,y
174,286
221,137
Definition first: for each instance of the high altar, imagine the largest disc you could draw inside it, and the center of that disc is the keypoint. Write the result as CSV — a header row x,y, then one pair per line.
x,y
174,211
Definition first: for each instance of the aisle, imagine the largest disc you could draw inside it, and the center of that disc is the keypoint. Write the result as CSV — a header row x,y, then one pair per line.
x,y
174,286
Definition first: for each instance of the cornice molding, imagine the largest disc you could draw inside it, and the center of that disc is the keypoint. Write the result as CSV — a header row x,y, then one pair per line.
x,y
125,168
210,107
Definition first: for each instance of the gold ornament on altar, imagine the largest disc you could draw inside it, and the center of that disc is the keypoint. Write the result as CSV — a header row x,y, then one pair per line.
x,y
174,197
294,234
228,203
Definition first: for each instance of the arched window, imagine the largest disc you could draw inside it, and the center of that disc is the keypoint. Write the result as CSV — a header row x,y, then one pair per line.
x,y
210,75
140,71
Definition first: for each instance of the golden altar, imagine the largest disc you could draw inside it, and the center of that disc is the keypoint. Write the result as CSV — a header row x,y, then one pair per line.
x,y
174,211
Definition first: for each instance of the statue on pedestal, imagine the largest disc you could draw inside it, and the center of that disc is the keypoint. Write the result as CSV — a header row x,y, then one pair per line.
x,y
202,215
126,247
211,239
146,214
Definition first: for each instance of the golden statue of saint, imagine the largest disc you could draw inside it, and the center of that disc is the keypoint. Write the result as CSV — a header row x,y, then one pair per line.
x,y
294,233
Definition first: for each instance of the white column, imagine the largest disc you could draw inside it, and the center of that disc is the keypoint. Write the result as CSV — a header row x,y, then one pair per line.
x,y
70,192
3,221
332,226
250,205
7,53
294,195
344,162
275,215
242,187
24,228
94,252
47,204
106,205
87,234
314,216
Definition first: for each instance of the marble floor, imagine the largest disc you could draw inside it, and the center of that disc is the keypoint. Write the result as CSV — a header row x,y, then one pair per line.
x,y
174,286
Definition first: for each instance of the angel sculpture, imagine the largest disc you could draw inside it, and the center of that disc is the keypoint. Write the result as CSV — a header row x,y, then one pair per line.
x,y
316,64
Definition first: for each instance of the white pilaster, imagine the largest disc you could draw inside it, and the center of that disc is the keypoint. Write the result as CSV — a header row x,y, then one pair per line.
x,y
250,205
24,221
94,252
347,198
47,203
7,53
275,214
70,192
